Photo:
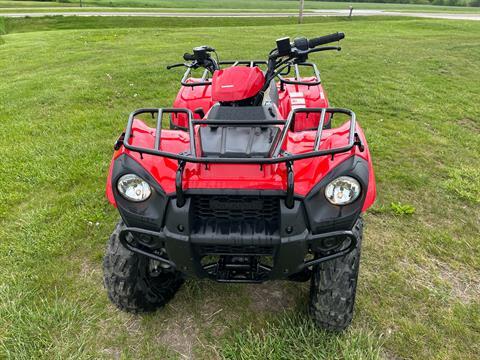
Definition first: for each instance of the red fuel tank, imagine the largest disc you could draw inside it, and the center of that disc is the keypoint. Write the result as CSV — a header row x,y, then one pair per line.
x,y
236,83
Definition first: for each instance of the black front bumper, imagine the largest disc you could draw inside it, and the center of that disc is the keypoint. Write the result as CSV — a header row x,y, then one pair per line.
x,y
240,235
289,257
234,258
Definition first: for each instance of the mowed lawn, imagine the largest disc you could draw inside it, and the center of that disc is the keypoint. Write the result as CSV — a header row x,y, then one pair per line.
x,y
64,98
222,6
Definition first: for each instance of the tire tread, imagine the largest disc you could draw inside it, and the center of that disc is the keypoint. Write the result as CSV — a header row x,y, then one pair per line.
x,y
127,281
333,288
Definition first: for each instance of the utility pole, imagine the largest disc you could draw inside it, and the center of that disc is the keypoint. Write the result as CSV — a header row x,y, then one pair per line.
x,y
300,11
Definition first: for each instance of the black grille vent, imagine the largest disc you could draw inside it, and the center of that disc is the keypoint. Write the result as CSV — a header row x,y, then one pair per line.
x,y
251,218
236,208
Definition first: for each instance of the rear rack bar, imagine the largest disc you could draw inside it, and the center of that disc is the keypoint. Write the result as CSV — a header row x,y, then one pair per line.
x,y
277,156
205,80
297,80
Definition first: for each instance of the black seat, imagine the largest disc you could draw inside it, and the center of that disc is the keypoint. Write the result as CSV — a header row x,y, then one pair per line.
x,y
222,112
242,140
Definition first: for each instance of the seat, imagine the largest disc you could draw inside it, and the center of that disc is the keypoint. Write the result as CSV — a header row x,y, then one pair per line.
x,y
223,112
239,141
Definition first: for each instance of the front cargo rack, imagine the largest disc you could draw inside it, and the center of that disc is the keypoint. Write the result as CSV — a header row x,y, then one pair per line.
x,y
277,155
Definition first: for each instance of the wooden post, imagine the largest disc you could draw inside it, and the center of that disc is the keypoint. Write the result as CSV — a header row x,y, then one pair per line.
x,y
300,11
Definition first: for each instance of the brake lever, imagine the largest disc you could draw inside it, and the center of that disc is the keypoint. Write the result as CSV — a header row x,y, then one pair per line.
x,y
175,65
324,48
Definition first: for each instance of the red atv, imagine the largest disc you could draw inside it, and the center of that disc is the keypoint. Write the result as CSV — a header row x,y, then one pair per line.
x,y
249,183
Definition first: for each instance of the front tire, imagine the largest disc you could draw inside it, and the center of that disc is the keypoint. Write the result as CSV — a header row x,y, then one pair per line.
x,y
333,287
130,282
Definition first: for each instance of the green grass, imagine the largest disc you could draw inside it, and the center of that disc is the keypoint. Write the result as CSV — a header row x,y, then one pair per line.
x,y
89,9
465,182
64,98
34,4
60,22
230,5
256,4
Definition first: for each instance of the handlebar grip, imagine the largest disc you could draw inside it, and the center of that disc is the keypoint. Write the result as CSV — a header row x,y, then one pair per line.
x,y
325,39
189,57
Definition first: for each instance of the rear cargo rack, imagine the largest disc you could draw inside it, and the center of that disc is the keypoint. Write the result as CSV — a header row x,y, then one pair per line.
x,y
277,155
296,68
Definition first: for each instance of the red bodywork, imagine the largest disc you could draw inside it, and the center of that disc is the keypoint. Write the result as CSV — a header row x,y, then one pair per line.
x,y
236,83
302,96
192,98
308,172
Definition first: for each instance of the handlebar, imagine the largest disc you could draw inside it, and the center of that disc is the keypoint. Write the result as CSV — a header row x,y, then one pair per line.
x,y
321,40
301,47
285,54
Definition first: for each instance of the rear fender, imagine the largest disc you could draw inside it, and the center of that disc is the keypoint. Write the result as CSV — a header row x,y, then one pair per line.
x,y
192,98
302,96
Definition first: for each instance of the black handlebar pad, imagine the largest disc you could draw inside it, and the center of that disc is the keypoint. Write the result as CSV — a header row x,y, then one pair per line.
x,y
325,39
189,57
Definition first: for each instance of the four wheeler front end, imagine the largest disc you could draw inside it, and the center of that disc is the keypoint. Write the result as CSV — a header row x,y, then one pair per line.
x,y
249,183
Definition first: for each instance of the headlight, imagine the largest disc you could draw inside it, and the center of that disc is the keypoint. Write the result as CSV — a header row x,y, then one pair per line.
x,y
343,190
133,188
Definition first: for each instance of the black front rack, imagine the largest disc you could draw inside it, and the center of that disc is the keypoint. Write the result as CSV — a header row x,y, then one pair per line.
x,y
277,155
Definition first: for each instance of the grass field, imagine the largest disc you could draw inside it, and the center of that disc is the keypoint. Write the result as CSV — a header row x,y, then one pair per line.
x,y
64,98
230,5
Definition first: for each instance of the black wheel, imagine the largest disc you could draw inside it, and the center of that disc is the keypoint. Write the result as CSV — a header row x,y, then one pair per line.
x,y
333,287
134,282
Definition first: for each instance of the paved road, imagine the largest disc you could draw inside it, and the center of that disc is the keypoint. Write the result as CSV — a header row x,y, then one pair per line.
x,y
55,12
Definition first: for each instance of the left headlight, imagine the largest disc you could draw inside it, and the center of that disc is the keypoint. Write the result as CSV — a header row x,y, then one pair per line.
x,y
342,190
133,188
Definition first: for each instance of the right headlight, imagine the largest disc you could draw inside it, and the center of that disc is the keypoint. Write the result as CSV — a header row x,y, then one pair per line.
x,y
343,190
133,188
